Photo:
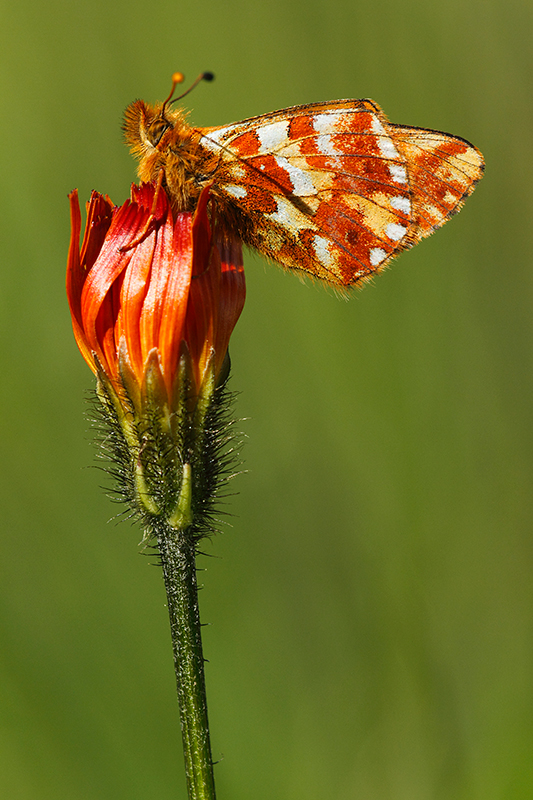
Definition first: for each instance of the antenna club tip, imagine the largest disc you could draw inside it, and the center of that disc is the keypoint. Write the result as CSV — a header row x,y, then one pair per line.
x,y
178,77
208,76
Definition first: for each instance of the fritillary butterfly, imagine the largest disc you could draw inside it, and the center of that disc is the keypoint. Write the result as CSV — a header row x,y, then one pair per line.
x,y
331,189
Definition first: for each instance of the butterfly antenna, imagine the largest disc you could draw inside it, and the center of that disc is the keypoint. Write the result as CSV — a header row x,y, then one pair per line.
x,y
204,76
177,77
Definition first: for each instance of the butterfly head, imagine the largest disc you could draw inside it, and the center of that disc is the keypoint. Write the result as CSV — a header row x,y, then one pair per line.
x,y
159,137
146,127
166,146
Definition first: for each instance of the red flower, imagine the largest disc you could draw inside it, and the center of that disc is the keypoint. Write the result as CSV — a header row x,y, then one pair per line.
x,y
133,306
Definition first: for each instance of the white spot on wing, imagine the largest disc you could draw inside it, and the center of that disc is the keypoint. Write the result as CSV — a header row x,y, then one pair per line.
x,y
301,182
398,173
386,147
289,217
377,256
401,204
325,144
395,232
322,249
236,191
273,135
376,125
325,123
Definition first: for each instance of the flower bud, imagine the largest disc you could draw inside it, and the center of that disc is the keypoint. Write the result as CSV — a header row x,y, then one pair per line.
x,y
154,298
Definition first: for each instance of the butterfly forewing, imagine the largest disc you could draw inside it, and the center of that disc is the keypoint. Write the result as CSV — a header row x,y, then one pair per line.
x,y
325,185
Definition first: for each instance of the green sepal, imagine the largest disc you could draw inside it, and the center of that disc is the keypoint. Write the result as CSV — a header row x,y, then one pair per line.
x,y
205,398
108,394
181,394
154,398
182,515
142,491
128,378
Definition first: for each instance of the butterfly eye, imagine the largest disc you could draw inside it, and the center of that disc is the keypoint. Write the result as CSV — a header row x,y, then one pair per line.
x,y
156,130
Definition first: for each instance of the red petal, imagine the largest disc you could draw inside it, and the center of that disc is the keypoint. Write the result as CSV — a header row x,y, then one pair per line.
x,y
99,212
172,306
99,216
231,298
202,310
217,294
128,221
134,289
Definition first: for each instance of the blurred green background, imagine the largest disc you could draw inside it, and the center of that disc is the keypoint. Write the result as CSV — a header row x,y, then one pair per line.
x,y
371,608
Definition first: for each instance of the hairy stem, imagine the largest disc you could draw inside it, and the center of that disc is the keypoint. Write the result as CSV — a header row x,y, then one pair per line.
x,y
178,559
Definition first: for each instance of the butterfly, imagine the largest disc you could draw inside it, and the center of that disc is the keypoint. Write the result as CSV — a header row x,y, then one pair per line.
x,y
332,189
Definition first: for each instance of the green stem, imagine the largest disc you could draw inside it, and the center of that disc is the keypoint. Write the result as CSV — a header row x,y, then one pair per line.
x,y
178,559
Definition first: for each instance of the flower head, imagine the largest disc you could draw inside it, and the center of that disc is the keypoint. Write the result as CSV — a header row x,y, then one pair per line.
x,y
154,298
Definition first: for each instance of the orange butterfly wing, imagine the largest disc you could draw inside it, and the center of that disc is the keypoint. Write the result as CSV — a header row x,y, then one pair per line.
x,y
443,172
335,190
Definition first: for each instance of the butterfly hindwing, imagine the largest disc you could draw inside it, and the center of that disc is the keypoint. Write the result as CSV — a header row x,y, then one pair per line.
x,y
443,172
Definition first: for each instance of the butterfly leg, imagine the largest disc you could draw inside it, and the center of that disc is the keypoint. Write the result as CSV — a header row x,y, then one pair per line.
x,y
207,260
150,222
